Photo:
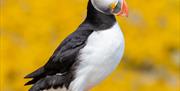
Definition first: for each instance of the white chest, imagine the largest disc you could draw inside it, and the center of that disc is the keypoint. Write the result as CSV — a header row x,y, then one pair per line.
x,y
99,57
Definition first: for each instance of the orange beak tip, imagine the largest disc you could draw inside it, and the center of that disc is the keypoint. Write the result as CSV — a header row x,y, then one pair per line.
x,y
124,9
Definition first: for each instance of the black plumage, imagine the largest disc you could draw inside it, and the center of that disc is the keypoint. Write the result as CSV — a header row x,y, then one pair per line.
x,y
60,69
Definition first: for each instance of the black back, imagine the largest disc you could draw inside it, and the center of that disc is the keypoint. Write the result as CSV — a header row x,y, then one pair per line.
x,y
64,60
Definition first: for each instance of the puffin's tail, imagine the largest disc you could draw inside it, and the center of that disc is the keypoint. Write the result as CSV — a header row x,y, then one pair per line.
x,y
35,75
40,81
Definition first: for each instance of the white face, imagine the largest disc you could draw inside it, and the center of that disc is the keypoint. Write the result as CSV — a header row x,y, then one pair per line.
x,y
107,6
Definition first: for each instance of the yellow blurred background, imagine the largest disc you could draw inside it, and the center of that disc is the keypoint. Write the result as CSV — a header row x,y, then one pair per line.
x,y
32,29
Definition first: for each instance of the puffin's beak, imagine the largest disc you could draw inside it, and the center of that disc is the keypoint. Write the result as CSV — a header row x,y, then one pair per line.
x,y
124,9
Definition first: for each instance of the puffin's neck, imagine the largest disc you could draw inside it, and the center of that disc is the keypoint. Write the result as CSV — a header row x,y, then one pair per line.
x,y
99,20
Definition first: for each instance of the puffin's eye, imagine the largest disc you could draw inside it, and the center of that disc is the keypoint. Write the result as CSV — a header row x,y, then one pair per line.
x,y
117,8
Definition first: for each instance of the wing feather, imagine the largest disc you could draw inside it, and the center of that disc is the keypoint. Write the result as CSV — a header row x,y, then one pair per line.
x,y
60,62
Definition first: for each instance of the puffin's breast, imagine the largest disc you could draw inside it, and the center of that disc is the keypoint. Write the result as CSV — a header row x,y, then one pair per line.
x,y
101,55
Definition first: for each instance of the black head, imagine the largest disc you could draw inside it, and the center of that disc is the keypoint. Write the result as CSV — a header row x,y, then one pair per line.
x,y
111,7
100,15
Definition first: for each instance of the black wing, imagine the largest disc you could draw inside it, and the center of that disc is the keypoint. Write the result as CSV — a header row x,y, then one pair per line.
x,y
65,55
60,62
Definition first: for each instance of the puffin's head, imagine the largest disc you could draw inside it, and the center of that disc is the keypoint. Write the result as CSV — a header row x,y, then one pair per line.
x,y
116,7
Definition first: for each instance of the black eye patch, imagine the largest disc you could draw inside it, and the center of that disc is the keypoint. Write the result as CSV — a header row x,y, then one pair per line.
x,y
117,8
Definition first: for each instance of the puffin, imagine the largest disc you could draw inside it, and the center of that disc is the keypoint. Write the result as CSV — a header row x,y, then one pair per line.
x,y
86,56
